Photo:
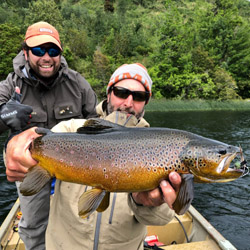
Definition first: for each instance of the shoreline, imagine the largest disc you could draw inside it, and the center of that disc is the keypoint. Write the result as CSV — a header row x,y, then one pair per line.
x,y
164,105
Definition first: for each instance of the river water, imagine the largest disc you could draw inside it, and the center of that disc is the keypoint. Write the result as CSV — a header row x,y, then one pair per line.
x,y
226,206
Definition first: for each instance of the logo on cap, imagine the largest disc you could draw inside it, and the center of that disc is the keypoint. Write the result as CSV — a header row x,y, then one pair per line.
x,y
45,30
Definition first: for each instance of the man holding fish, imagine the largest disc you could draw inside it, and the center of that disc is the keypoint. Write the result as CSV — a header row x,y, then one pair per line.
x,y
42,91
123,224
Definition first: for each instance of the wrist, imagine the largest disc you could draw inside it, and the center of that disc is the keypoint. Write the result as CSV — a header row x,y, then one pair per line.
x,y
137,204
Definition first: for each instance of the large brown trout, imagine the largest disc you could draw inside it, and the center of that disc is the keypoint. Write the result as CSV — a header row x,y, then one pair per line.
x,y
113,158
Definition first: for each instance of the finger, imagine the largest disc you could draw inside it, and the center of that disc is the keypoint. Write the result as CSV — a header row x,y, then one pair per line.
x,y
155,196
169,194
15,176
17,151
16,97
17,90
14,179
175,180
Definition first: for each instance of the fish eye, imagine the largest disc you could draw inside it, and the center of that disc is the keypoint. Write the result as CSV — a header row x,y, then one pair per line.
x,y
222,152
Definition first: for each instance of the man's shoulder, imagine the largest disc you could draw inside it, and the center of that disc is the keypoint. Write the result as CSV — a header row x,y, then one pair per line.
x,y
72,74
76,78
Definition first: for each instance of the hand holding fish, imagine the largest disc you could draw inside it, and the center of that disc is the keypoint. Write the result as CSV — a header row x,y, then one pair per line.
x,y
165,194
18,156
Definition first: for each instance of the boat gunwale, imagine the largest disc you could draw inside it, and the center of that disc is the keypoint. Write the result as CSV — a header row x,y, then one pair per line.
x,y
6,223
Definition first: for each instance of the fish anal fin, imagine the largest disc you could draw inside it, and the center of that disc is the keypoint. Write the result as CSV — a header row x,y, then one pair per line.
x,y
104,204
90,201
185,194
36,178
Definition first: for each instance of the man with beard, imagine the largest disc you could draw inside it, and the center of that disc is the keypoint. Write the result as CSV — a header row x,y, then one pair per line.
x,y
123,225
46,92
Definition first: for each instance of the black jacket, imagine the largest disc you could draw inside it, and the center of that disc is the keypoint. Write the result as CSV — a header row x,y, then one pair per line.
x,y
69,96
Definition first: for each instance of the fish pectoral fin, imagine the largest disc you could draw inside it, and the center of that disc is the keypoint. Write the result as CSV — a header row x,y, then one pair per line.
x,y
98,126
185,194
104,204
36,178
90,201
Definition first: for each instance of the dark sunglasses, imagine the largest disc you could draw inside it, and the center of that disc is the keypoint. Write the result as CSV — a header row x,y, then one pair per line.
x,y
40,51
139,96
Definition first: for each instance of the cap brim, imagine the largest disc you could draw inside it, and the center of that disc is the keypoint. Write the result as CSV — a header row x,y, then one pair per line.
x,y
38,40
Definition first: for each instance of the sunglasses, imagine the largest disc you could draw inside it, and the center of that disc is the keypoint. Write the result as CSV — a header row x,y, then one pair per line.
x,y
139,96
40,51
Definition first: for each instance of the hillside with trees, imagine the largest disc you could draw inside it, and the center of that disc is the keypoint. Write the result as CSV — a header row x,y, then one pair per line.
x,y
192,49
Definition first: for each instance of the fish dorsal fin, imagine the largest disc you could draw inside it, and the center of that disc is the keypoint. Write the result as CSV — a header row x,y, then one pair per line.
x,y
42,131
91,201
98,126
35,180
185,194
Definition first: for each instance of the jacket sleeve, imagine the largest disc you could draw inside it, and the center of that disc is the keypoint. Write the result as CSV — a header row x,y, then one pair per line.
x,y
89,98
6,90
68,126
160,215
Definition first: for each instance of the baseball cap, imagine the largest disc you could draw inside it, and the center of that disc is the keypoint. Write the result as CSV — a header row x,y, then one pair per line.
x,y
40,33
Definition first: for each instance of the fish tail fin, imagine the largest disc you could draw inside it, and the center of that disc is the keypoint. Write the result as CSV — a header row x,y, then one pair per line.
x,y
94,199
35,180
185,194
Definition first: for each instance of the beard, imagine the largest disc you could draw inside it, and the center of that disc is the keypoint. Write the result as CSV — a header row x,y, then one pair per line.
x,y
128,111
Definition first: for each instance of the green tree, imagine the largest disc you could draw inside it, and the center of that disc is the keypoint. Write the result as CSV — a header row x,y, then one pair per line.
x,y
238,62
47,11
10,45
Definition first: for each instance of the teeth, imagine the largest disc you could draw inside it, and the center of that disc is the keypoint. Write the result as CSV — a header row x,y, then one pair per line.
x,y
46,66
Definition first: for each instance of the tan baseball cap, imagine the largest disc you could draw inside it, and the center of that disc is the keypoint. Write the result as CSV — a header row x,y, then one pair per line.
x,y
40,33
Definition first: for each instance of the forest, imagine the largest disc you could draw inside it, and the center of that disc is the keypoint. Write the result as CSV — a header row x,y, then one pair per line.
x,y
192,49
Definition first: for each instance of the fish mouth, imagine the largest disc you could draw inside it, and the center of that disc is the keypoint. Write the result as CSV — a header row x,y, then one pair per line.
x,y
231,165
